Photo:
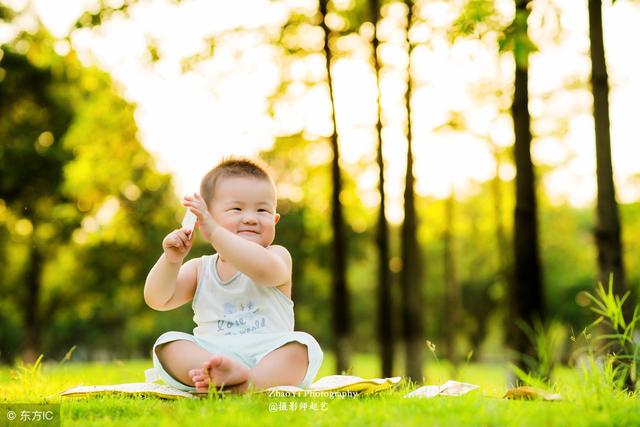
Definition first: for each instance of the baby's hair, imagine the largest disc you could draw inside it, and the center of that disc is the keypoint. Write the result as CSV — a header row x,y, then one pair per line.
x,y
230,167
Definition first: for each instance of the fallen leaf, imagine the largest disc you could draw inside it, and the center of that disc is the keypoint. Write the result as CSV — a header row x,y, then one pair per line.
x,y
530,393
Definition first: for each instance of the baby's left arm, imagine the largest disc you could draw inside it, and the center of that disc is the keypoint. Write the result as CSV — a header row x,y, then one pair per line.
x,y
282,265
270,266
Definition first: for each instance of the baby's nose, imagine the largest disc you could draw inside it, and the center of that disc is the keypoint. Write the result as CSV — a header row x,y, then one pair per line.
x,y
248,219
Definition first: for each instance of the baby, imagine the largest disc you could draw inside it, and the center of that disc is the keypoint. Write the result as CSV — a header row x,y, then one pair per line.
x,y
244,337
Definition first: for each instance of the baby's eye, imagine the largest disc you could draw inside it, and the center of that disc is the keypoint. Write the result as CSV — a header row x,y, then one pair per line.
x,y
235,209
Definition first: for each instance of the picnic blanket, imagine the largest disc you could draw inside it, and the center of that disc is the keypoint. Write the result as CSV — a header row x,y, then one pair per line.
x,y
330,386
340,385
129,389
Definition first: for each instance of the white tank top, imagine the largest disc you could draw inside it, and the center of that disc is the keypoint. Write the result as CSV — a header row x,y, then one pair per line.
x,y
238,306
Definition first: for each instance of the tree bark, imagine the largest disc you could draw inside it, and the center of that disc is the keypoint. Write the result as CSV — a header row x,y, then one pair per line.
x,y
411,278
608,228
385,302
527,298
341,304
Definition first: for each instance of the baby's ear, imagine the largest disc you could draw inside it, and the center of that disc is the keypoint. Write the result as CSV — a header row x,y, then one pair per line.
x,y
277,218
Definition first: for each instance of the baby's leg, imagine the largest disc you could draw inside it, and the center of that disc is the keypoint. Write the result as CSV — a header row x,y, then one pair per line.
x,y
180,357
192,365
286,365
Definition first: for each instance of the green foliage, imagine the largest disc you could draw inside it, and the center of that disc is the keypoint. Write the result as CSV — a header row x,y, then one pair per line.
x,y
82,208
620,342
480,17
476,18
354,15
102,12
515,39
548,343
601,377
566,238
630,218
29,375
6,14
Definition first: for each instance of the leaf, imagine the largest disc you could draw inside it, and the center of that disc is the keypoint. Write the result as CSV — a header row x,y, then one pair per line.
x,y
530,393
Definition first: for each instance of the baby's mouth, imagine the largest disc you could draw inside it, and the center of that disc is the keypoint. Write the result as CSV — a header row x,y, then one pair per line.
x,y
248,231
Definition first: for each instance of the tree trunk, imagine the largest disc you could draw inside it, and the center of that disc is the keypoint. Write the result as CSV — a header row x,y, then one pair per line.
x,y
341,318
452,292
31,344
413,328
527,299
385,303
608,229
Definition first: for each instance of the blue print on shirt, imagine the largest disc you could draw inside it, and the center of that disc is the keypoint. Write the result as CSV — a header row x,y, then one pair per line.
x,y
240,319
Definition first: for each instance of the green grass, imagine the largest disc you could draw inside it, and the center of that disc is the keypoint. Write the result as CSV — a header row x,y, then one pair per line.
x,y
587,401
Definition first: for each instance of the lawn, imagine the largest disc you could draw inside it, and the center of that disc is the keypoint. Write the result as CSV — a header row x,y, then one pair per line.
x,y
586,401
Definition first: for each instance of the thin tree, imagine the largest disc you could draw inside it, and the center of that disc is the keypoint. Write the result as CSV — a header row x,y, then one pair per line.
x,y
341,317
452,290
411,277
385,303
526,296
608,229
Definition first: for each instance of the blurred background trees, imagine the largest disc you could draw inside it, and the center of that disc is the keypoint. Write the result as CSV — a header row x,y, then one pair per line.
x,y
380,265
80,201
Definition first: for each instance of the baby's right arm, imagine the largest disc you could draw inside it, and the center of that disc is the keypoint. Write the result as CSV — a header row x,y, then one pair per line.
x,y
170,284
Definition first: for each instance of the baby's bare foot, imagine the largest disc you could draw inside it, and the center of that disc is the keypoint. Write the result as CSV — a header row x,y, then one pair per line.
x,y
200,380
222,371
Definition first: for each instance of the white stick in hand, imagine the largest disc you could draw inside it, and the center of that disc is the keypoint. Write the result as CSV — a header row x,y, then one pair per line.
x,y
189,222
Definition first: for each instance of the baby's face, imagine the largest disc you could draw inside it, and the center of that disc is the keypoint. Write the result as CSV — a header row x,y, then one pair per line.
x,y
246,206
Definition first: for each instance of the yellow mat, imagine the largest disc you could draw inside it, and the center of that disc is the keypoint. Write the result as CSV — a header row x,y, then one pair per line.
x,y
333,385
130,389
340,384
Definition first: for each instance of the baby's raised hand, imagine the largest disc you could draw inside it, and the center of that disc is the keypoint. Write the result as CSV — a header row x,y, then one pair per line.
x,y
176,245
206,224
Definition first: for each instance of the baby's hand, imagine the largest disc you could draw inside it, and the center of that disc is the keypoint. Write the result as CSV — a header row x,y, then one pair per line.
x,y
206,224
177,245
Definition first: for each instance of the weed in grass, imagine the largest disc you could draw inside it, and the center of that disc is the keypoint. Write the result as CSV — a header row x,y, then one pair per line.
x,y
68,355
28,375
547,342
621,343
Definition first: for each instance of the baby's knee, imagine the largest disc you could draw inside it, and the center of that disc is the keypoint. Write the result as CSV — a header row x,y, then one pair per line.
x,y
298,353
163,351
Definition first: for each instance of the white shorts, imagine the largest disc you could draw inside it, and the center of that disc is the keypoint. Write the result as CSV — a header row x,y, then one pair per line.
x,y
249,349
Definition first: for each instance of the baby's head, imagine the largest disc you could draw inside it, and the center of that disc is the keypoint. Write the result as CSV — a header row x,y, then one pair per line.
x,y
241,197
